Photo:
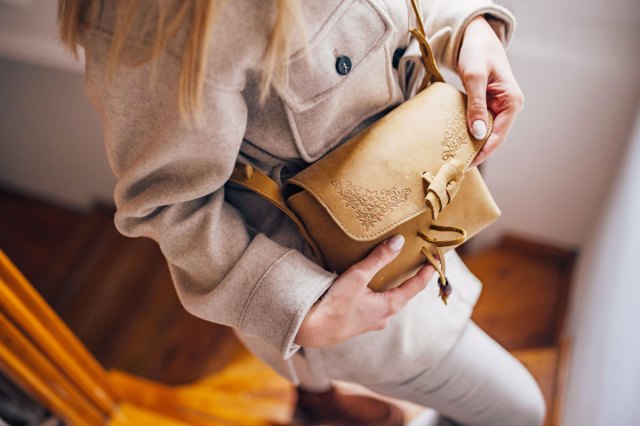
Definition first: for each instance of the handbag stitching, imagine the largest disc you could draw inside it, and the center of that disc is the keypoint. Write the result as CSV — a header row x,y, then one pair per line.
x,y
337,220
370,206
455,131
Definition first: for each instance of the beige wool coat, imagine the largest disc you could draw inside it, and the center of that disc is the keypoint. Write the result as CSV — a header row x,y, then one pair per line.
x,y
234,258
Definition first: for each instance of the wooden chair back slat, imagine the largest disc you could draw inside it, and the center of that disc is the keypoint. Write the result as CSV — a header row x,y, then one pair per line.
x,y
34,371
30,312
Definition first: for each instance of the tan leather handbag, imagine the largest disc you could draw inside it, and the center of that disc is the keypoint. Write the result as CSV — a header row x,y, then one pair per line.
x,y
405,174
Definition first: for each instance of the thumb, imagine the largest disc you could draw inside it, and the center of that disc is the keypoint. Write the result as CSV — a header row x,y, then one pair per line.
x,y
477,117
380,257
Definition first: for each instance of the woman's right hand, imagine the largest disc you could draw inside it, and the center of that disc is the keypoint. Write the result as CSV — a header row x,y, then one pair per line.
x,y
350,307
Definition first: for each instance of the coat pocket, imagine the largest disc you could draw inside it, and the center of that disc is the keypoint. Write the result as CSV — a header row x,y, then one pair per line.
x,y
327,98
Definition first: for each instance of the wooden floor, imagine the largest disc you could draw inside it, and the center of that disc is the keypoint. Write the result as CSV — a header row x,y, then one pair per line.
x,y
116,295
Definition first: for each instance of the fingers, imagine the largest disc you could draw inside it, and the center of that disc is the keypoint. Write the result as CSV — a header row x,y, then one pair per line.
x,y
379,257
505,100
350,308
398,297
475,83
501,125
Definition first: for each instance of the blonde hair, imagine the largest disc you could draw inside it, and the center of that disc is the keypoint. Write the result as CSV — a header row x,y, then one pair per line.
x,y
75,16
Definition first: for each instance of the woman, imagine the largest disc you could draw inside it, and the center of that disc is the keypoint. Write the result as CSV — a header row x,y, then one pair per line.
x,y
184,88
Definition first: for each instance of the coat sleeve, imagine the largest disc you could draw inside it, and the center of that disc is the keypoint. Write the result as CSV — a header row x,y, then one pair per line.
x,y
170,177
446,20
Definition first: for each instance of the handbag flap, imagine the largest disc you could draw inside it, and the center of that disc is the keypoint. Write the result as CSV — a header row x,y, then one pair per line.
x,y
373,182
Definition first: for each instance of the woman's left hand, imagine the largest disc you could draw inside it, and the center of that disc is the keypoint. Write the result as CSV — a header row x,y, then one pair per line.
x,y
487,77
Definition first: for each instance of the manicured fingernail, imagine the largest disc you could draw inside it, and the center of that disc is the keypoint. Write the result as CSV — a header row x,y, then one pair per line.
x,y
479,129
395,243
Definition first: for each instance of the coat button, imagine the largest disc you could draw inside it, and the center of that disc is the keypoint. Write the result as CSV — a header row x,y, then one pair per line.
x,y
397,55
343,65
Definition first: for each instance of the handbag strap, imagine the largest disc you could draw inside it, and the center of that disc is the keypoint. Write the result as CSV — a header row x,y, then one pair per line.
x,y
439,262
428,58
258,182
439,265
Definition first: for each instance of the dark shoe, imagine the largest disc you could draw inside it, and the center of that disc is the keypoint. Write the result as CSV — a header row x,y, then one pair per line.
x,y
335,409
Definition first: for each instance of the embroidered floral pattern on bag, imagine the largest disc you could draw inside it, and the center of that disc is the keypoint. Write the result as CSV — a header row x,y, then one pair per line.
x,y
368,205
455,130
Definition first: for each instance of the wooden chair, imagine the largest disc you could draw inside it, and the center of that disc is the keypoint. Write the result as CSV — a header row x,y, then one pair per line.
x,y
43,356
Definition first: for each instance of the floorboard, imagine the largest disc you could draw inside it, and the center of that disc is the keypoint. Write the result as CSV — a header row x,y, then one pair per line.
x,y
524,293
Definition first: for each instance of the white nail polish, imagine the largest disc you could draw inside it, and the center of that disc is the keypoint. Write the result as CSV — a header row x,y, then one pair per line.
x,y
479,129
395,243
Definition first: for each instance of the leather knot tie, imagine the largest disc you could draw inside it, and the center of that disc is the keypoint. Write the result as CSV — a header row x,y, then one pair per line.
x,y
442,187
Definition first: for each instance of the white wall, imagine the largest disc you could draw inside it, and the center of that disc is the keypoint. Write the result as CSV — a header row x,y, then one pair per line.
x,y
604,317
28,33
578,63
50,138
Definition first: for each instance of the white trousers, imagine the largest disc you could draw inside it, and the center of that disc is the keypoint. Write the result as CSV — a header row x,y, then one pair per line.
x,y
477,383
